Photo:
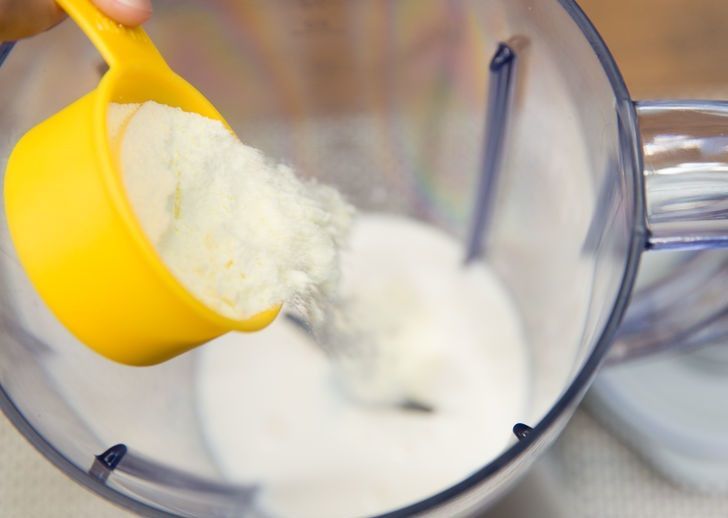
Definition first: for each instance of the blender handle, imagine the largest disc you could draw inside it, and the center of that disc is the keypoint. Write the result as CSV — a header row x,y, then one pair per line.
x,y
685,150
682,311
685,166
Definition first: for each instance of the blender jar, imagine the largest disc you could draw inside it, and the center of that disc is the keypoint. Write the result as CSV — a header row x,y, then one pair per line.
x,y
532,158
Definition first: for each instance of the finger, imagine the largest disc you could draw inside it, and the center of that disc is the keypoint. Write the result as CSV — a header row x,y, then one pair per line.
x,y
128,12
21,18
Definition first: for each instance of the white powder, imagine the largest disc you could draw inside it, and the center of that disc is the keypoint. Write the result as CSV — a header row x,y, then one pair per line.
x,y
274,415
240,232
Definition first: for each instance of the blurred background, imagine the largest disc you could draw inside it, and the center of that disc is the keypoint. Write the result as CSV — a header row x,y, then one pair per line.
x,y
665,48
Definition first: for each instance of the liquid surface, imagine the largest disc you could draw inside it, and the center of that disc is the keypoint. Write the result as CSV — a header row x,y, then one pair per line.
x,y
276,413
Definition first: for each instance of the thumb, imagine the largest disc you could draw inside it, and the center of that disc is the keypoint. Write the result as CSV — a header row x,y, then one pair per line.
x,y
127,12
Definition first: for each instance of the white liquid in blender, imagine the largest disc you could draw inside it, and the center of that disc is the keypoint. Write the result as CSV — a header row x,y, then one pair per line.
x,y
274,413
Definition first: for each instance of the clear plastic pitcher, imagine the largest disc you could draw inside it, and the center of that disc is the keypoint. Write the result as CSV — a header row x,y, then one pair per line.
x,y
504,123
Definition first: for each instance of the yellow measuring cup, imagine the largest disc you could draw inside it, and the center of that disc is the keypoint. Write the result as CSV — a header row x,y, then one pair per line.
x,y
73,226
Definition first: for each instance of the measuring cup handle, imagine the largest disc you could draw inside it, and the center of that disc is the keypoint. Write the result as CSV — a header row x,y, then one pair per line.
x,y
685,172
120,46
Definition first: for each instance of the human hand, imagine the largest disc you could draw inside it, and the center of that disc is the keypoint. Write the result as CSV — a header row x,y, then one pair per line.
x,y
22,18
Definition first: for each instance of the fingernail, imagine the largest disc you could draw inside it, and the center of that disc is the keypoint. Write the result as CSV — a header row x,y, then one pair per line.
x,y
139,5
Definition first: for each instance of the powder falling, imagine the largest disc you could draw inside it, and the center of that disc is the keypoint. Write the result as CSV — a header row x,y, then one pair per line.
x,y
240,232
